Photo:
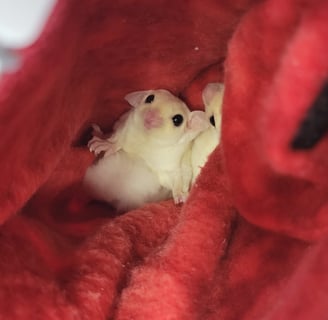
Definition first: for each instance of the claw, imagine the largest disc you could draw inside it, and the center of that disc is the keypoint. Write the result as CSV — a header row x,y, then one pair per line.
x,y
95,141
180,198
98,145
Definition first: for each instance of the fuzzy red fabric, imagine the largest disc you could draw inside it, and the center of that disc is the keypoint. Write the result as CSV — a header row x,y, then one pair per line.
x,y
250,241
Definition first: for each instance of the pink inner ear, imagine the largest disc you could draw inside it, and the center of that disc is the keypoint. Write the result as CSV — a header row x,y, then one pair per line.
x,y
209,92
197,121
135,98
152,119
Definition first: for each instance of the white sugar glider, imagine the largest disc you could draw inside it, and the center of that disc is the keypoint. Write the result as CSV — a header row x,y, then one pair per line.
x,y
124,180
207,141
157,131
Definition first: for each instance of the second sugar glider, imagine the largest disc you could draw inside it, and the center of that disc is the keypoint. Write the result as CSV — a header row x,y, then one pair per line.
x,y
207,141
158,130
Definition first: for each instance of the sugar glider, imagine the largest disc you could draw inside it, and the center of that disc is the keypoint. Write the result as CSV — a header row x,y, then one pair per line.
x,y
124,180
146,148
207,141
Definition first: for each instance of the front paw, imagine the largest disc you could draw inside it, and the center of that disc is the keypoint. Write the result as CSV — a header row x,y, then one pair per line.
x,y
98,145
96,131
180,197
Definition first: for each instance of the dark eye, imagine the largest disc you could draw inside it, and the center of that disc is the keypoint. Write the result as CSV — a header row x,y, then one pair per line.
x,y
177,120
150,98
212,120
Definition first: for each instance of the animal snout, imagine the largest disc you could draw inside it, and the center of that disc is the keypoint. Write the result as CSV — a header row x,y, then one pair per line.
x,y
152,119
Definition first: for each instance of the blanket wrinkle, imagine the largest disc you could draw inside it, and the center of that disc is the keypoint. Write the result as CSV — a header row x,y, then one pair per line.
x,y
116,248
176,266
260,180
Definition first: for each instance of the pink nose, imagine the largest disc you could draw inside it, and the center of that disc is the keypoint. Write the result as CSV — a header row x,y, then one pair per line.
x,y
152,119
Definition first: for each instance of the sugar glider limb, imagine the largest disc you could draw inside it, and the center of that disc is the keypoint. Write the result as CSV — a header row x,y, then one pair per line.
x,y
158,129
124,180
207,141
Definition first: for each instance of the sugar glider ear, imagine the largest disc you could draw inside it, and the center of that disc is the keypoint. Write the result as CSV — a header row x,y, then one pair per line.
x,y
197,121
210,91
136,98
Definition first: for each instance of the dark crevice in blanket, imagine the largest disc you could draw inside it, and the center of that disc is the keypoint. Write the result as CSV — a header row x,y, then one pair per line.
x,y
230,234
315,125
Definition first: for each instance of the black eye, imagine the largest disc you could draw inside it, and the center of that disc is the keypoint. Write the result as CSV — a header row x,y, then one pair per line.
x,y
150,98
177,120
212,120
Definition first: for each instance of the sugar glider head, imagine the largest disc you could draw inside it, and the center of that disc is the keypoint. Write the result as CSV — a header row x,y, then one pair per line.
x,y
164,118
212,98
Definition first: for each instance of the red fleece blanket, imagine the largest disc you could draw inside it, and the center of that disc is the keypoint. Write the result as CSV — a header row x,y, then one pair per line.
x,y
250,241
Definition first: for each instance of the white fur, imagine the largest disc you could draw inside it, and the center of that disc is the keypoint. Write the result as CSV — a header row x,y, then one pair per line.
x,y
153,155
125,181
208,140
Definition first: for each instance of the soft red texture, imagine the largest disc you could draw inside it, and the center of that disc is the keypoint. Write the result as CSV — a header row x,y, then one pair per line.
x,y
250,242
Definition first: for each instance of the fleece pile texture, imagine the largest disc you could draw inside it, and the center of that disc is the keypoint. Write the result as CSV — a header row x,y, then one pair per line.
x,y
251,241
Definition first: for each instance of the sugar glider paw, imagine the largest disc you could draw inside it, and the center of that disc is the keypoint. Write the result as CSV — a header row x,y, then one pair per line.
x,y
96,131
98,145
180,198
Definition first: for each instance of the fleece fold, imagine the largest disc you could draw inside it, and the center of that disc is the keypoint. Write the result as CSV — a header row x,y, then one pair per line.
x,y
250,241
